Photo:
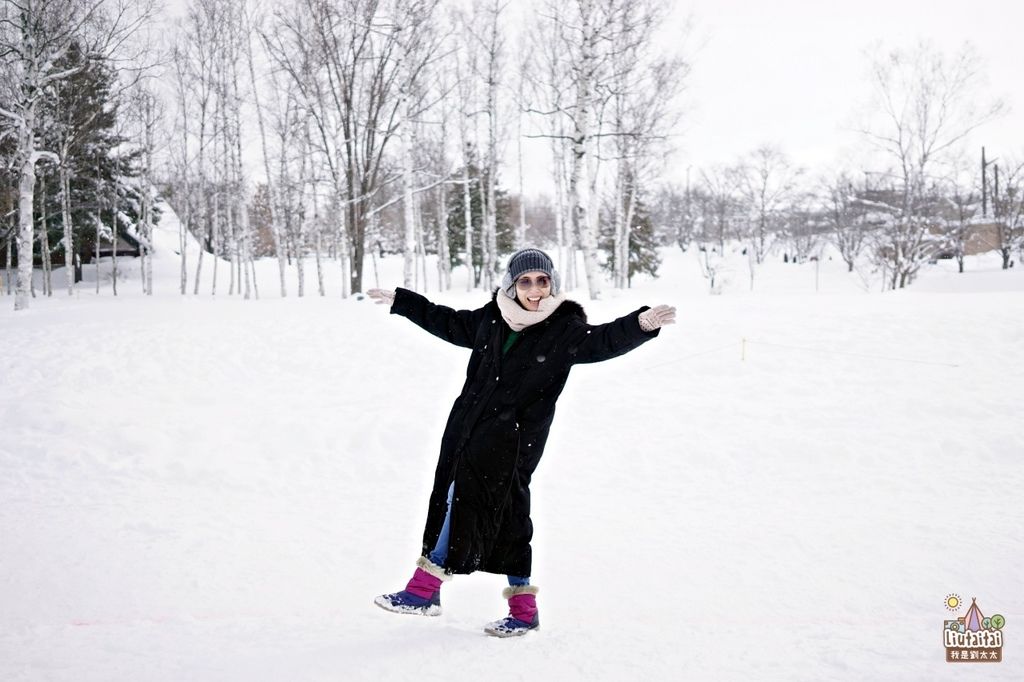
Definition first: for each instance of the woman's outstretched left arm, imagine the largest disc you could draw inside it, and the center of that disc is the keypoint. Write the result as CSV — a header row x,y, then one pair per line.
x,y
594,343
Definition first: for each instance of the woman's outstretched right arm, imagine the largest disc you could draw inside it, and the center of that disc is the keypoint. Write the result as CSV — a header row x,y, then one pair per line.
x,y
454,326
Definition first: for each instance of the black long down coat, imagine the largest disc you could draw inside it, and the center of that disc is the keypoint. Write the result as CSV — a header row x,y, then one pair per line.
x,y
499,423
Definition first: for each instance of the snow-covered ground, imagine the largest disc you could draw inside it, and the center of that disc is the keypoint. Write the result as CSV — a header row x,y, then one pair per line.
x,y
199,488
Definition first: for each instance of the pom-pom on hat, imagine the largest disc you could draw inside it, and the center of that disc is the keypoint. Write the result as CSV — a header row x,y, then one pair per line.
x,y
529,260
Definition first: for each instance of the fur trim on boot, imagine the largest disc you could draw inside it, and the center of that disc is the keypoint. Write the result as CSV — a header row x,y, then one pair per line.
x,y
512,591
433,569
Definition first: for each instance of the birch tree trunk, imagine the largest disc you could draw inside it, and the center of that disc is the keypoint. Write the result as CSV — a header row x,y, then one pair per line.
x,y
65,216
148,227
627,228
233,263
405,141
143,250
579,183
467,217
319,266
617,218
184,221
275,215
150,115
444,270
343,249
491,203
558,158
300,231
318,244
241,203
26,188
183,246
44,240
215,226
202,249
465,101
421,249
99,232
9,256
113,237
521,232
202,199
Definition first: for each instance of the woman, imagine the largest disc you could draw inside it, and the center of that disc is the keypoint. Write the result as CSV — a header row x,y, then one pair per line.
x,y
524,343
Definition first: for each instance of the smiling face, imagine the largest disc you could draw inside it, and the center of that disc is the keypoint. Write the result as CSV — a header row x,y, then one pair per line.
x,y
531,287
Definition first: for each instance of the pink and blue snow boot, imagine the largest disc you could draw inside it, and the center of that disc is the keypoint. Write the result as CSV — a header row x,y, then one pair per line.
x,y
522,613
421,596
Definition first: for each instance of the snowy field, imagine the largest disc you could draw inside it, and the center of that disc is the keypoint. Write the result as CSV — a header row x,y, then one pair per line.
x,y
212,489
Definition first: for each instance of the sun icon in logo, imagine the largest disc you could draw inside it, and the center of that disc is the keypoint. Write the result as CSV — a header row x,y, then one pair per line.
x,y
953,602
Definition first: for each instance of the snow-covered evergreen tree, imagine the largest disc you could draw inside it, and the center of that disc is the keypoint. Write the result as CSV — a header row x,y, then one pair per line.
x,y
457,213
643,242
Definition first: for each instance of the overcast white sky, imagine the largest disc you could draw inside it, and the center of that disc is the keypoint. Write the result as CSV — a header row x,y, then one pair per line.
x,y
793,72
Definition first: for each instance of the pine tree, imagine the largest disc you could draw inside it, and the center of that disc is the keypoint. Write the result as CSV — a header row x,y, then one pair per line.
x,y
457,221
643,242
81,113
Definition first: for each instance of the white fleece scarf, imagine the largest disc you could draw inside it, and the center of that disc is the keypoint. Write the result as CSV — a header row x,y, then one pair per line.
x,y
519,318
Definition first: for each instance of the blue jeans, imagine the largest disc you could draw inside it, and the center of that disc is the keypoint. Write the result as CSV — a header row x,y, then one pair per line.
x,y
440,551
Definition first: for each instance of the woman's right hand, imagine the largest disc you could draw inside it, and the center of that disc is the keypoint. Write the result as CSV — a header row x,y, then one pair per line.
x,y
382,296
657,317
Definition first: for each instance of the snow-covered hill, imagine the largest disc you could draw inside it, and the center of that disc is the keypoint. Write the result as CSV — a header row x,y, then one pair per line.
x,y
784,486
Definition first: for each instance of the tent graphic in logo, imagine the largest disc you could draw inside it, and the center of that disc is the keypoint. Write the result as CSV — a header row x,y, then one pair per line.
x,y
974,617
972,638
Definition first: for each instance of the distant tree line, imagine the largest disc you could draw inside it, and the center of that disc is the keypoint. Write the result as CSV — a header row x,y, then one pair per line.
x,y
925,198
330,133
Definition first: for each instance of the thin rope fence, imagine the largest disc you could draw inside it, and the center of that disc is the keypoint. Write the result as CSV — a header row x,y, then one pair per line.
x,y
693,355
743,343
848,354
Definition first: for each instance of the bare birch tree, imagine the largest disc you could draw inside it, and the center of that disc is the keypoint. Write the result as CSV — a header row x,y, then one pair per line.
x,y
581,29
148,111
549,85
927,102
413,44
845,216
195,70
486,27
964,204
352,91
590,24
644,84
272,204
767,182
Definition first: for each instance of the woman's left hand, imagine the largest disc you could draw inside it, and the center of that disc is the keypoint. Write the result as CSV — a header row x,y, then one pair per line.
x,y
382,296
657,317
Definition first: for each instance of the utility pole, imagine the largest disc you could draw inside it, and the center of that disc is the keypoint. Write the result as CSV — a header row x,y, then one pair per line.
x,y
984,183
689,213
995,193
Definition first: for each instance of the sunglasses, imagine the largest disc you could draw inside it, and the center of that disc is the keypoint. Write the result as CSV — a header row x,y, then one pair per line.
x,y
525,283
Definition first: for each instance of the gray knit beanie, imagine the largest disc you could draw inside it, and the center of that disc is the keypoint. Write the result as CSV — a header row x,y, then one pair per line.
x,y
529,260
